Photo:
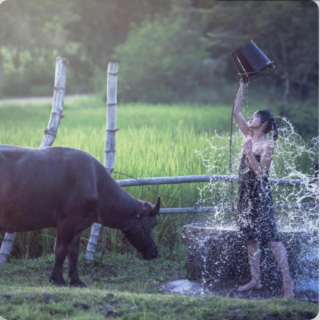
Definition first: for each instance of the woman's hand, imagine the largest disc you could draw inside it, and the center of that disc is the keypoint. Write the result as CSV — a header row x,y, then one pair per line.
x,y
243,85
254,164
247,146
244,80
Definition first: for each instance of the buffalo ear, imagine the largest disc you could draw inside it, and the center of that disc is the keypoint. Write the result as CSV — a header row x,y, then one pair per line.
x,y
147,208
156,208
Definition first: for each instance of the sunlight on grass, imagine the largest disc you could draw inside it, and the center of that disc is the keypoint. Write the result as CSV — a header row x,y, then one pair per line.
x,y
153,141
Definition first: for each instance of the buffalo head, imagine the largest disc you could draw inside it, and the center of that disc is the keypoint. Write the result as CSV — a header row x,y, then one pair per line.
x,y
139,230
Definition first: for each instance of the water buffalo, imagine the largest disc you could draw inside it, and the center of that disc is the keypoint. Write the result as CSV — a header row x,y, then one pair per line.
x,y
69,189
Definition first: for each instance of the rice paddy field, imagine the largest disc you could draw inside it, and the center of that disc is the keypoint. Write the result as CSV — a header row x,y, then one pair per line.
x,y
153,141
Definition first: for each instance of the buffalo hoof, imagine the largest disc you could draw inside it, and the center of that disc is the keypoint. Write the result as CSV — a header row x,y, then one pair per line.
x,y
60,282
77,283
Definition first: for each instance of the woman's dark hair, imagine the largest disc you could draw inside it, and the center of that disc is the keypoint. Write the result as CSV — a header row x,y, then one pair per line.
x,y
267,116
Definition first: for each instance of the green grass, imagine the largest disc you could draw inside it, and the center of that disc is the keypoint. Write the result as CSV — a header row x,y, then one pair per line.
x,y
125,287
157,140
152,141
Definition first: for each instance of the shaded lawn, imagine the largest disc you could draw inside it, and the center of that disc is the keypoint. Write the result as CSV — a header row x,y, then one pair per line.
x,y
125,287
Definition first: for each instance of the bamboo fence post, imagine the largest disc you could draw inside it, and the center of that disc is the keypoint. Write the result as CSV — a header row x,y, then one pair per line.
x,y
110,151
48,139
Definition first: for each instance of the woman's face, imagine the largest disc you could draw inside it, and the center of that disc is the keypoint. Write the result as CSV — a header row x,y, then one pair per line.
x,y
254,121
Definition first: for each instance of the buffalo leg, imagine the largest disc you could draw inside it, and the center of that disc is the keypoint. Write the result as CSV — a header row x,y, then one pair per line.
x,y
73,254
63,241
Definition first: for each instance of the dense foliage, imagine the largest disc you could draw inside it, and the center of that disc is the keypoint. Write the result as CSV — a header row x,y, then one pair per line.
x,y
169,50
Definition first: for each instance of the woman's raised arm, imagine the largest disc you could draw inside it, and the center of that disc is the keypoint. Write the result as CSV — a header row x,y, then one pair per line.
x,y
241,122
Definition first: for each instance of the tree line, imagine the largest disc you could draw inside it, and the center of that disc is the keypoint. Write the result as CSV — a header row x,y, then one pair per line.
x,y
169,50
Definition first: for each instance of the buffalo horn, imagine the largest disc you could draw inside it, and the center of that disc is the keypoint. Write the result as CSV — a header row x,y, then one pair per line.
x,y
156,208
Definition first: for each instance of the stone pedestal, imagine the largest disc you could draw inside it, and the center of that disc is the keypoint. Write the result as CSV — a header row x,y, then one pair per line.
x,y
217,256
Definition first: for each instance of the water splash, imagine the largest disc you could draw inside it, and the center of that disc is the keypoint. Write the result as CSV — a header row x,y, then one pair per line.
x,y
292,160
296,205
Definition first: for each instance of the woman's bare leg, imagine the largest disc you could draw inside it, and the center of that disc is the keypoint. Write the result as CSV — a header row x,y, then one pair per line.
x,y
280,253
254,255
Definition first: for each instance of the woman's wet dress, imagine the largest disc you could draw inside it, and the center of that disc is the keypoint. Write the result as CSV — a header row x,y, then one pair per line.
x,y
255,218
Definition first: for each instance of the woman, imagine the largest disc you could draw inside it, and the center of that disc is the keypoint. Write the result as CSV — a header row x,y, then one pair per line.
x,y
255,213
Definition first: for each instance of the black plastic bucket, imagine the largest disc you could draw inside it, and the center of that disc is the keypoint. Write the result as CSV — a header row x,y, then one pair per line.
x,y
251,61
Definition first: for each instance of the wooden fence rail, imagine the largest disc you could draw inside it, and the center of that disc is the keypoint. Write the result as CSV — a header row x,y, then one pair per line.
x,y
201,178
200,210
212,178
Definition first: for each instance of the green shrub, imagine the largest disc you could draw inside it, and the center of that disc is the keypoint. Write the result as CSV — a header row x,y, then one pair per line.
x,y
165,60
